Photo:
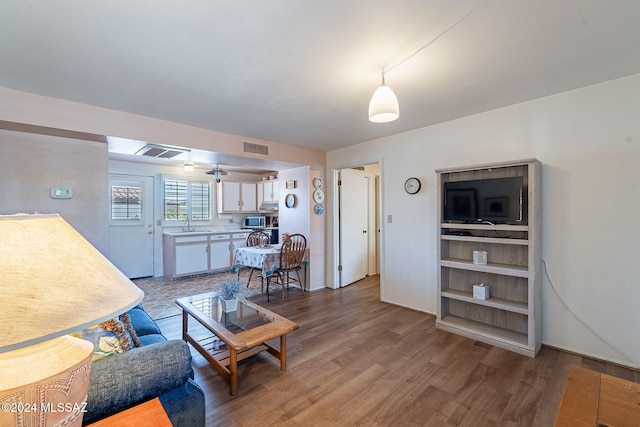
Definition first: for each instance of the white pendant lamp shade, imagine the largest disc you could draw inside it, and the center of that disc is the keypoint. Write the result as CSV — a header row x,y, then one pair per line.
x,y
384,106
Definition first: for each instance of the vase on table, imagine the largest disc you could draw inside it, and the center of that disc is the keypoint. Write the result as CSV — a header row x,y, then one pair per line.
x,y
229,305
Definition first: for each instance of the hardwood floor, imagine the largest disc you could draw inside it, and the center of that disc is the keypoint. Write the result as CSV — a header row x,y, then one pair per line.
x,y
358,361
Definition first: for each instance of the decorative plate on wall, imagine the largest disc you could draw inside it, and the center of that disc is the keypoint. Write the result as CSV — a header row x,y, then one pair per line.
x,y
318,183
318,209
290,200
318,196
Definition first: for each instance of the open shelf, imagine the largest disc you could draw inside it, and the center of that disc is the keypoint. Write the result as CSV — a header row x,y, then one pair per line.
x,y
500,240
497,227
494,268
499,303
492,332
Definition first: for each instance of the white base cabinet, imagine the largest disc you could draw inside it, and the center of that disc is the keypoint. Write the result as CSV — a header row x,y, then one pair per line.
x,y
219,247
191,258
188,255
511,317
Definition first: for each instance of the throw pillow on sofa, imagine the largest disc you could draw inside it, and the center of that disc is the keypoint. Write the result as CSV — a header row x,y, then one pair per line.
x,y
112,336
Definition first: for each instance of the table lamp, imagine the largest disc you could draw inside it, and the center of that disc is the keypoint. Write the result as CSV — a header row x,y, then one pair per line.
x,y
52,282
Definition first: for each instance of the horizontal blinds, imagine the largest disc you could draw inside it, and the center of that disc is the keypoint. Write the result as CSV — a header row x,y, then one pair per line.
x,y
175,200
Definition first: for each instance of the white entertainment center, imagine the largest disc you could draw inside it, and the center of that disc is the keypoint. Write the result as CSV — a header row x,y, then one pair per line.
x,y
511,317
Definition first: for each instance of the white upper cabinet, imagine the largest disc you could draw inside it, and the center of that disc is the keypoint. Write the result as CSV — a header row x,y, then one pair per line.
x,y
236,196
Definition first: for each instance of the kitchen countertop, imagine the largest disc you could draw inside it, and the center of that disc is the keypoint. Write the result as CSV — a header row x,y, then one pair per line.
x,y
206,231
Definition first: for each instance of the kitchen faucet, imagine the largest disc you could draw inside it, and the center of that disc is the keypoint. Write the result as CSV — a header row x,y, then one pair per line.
x,y
188,225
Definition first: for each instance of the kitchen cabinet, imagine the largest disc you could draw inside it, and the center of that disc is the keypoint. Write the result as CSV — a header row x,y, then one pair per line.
x,y
219,247
234,196
188,254
260,193
270,191
191,255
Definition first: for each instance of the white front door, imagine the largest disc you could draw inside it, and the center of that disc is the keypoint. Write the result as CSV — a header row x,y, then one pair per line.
x,y
131,224
354,225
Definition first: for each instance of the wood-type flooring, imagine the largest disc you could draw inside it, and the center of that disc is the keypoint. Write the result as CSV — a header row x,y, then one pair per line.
x,y
356,361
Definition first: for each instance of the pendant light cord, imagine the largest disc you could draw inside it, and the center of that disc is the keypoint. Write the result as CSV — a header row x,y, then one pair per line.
x,y
436,38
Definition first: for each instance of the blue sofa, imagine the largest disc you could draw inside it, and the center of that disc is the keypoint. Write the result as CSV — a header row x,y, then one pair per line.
x,y
160,368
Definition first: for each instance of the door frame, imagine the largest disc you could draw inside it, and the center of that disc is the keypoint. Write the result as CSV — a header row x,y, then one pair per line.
x,y
375,205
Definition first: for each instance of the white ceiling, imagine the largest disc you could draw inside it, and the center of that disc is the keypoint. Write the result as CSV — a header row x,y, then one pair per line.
x,y
302,72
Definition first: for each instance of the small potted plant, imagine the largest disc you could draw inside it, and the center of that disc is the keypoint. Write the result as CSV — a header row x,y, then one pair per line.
x,y
230,292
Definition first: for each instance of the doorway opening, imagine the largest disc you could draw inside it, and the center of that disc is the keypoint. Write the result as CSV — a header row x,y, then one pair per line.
x,y
357,225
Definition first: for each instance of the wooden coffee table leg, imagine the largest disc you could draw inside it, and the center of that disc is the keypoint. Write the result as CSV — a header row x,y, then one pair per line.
x,y
185,324
233,371
283,352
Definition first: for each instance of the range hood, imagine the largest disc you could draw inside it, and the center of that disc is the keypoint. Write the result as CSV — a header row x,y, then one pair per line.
x,y
269,206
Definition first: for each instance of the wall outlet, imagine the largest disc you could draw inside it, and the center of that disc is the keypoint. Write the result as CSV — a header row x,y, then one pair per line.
x,y
389,219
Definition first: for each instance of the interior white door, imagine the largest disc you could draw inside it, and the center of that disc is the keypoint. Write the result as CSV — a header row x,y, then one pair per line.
x,y
354,225
131,224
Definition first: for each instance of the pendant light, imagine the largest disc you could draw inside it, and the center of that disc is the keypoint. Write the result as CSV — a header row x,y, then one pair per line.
x,y
384,106
217,173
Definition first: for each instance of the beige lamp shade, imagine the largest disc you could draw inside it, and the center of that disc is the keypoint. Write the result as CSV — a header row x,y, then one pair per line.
x,y
45,384
53,282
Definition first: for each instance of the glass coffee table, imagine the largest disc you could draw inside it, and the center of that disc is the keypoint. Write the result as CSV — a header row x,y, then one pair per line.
x,y
237,335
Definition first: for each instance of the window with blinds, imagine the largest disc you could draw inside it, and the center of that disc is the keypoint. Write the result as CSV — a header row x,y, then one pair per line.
x,y
200,201
126,202
187,199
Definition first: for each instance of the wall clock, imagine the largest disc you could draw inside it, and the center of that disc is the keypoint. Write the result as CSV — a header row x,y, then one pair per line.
x,y
318,196
318,183
412,185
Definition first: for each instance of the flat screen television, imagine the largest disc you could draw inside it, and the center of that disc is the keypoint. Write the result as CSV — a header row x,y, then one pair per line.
x,y
497,200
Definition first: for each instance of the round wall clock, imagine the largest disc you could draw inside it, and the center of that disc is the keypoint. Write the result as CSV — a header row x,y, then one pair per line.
x,y
318,183
318,196
412,185
290,200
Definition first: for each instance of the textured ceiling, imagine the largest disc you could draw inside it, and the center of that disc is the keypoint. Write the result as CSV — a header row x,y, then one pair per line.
x,y
302,72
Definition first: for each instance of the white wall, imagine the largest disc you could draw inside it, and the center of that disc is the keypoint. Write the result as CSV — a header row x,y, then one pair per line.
x,y
588,141
31,164
301,219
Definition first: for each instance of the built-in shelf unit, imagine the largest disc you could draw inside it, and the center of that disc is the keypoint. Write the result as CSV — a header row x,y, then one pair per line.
x,y
511,317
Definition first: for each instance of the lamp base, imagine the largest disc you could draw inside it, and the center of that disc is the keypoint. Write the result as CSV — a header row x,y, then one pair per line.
x,y
45,384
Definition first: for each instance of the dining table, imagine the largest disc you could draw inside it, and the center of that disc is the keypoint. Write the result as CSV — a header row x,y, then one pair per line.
x,y
266,259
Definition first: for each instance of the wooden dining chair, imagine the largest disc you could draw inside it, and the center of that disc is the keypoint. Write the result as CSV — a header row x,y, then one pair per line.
x,y
253,239
291,255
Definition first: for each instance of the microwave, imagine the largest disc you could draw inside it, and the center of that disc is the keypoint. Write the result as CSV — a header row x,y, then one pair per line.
x,y
254,222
